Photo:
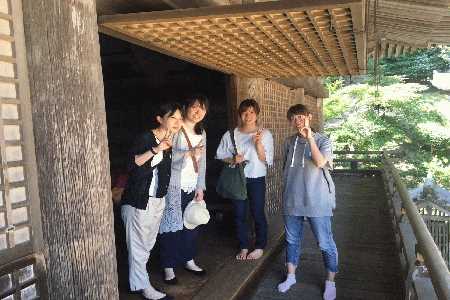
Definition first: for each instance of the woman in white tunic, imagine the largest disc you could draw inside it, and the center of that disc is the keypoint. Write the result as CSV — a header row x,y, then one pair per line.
x,y
255,148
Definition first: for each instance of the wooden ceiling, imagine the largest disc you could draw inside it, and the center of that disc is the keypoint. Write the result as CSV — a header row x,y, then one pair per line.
x,y
401,26
270,40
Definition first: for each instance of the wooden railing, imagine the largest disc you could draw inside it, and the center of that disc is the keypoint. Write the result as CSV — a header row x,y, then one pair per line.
x,y
412,235
414,239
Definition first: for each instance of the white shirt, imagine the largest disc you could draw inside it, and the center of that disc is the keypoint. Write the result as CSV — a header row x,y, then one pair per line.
x,y
157,158
188,175
244,143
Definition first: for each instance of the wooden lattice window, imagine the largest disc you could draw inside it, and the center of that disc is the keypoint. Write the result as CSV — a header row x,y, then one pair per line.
x,y
19,213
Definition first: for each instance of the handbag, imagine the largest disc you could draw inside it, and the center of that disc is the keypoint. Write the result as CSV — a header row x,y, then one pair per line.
x,y
232,183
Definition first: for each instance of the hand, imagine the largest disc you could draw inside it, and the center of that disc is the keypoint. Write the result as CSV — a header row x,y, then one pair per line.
x,y
198,195
165,144
306,131
239,158
257,138
197,151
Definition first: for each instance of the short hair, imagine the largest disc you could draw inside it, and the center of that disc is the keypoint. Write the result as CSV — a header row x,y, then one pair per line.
x,y
246,104
297,109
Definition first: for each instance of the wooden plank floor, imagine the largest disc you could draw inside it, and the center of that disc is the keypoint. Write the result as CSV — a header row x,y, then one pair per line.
x,y
368,261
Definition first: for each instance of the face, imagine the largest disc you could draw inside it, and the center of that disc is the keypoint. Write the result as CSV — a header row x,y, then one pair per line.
x,y
301,120
196,112
170,122
249,116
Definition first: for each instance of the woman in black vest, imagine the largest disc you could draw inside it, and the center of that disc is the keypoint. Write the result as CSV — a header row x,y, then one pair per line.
x,y
143,199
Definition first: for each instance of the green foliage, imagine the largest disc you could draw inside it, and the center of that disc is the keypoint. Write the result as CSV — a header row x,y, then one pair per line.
x,y
415,67
406,117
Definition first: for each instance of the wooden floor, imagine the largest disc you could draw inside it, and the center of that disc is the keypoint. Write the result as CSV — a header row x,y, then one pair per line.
x,y
368,261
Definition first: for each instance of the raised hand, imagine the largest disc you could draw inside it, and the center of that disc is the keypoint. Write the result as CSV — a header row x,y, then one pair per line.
x,y
257,138
306,131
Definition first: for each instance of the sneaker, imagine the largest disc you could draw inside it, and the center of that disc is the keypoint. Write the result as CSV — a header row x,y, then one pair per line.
x,y
330,290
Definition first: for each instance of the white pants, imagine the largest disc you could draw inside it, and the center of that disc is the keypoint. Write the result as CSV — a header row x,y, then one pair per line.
x,y
141,228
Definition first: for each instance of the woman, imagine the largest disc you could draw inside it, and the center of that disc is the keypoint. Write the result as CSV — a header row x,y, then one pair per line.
x,y
255,148
177,243
143,199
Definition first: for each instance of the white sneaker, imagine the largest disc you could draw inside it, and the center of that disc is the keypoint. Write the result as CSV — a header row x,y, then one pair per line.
x,y
330,290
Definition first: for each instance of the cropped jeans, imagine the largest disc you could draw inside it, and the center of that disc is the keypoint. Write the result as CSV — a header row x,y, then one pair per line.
x,y
321,228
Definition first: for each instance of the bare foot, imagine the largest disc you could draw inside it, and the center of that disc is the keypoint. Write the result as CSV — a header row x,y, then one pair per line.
x,y
255,254
242,255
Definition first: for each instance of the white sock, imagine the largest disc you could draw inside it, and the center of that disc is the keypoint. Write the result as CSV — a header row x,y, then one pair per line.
x,y
192,266
330,290
151,293
286,285
169,273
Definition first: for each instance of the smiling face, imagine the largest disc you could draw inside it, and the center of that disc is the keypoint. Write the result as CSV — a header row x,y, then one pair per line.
x,y
196,112
249,116
171,121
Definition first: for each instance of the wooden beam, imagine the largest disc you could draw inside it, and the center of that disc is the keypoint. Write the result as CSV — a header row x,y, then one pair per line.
x,y
327,43
224,11
348,57
360,32
317,72
313,45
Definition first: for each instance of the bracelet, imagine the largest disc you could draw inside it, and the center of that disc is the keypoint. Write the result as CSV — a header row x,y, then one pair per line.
x,y
153,151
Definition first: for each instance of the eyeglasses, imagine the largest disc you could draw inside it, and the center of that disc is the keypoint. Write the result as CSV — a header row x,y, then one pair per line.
x,y
299,117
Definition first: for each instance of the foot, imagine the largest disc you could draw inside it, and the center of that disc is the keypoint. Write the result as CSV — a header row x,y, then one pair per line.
x,y
152,294
169,276
286,285
242,255
255,254
330,290
192,267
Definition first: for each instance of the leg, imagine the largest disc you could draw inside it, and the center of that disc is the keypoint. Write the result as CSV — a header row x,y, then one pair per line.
x,y
240,219
294,233
321,228
189,236
257,197
141,229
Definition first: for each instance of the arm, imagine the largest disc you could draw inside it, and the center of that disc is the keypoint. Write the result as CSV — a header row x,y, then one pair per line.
x,y
317,157
201,185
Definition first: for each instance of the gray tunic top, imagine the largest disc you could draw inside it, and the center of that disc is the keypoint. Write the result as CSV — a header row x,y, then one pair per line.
x,y
308,190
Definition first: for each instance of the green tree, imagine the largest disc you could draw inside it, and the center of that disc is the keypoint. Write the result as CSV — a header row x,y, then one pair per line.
x,y
417,66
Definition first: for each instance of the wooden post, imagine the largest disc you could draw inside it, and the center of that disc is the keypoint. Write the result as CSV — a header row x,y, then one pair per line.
x,y
69,121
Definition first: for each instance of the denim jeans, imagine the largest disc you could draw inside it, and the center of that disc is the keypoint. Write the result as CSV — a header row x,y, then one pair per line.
x,y
256,193
321,228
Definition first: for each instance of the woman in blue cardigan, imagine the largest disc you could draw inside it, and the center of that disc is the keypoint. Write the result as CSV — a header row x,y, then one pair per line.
x,y
187,183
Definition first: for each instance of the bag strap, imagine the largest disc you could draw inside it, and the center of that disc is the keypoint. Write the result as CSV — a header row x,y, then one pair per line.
x,y
233,141
191,150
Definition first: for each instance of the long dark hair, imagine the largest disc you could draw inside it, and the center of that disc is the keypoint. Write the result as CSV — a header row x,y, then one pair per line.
x,y
190,101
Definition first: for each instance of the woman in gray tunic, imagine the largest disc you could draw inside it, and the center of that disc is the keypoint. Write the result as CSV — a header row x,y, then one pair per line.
x,y
308,195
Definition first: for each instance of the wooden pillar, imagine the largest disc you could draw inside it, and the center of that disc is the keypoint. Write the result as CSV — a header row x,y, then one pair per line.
x,y
68,112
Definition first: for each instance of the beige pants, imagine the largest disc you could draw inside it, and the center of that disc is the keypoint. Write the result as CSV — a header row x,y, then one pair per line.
x,y
141,228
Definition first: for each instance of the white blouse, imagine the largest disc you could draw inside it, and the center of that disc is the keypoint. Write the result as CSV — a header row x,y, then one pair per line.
x,y
188,176
244,143
157,158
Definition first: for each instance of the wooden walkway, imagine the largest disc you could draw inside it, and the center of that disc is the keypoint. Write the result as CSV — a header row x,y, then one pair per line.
x,y
368,260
